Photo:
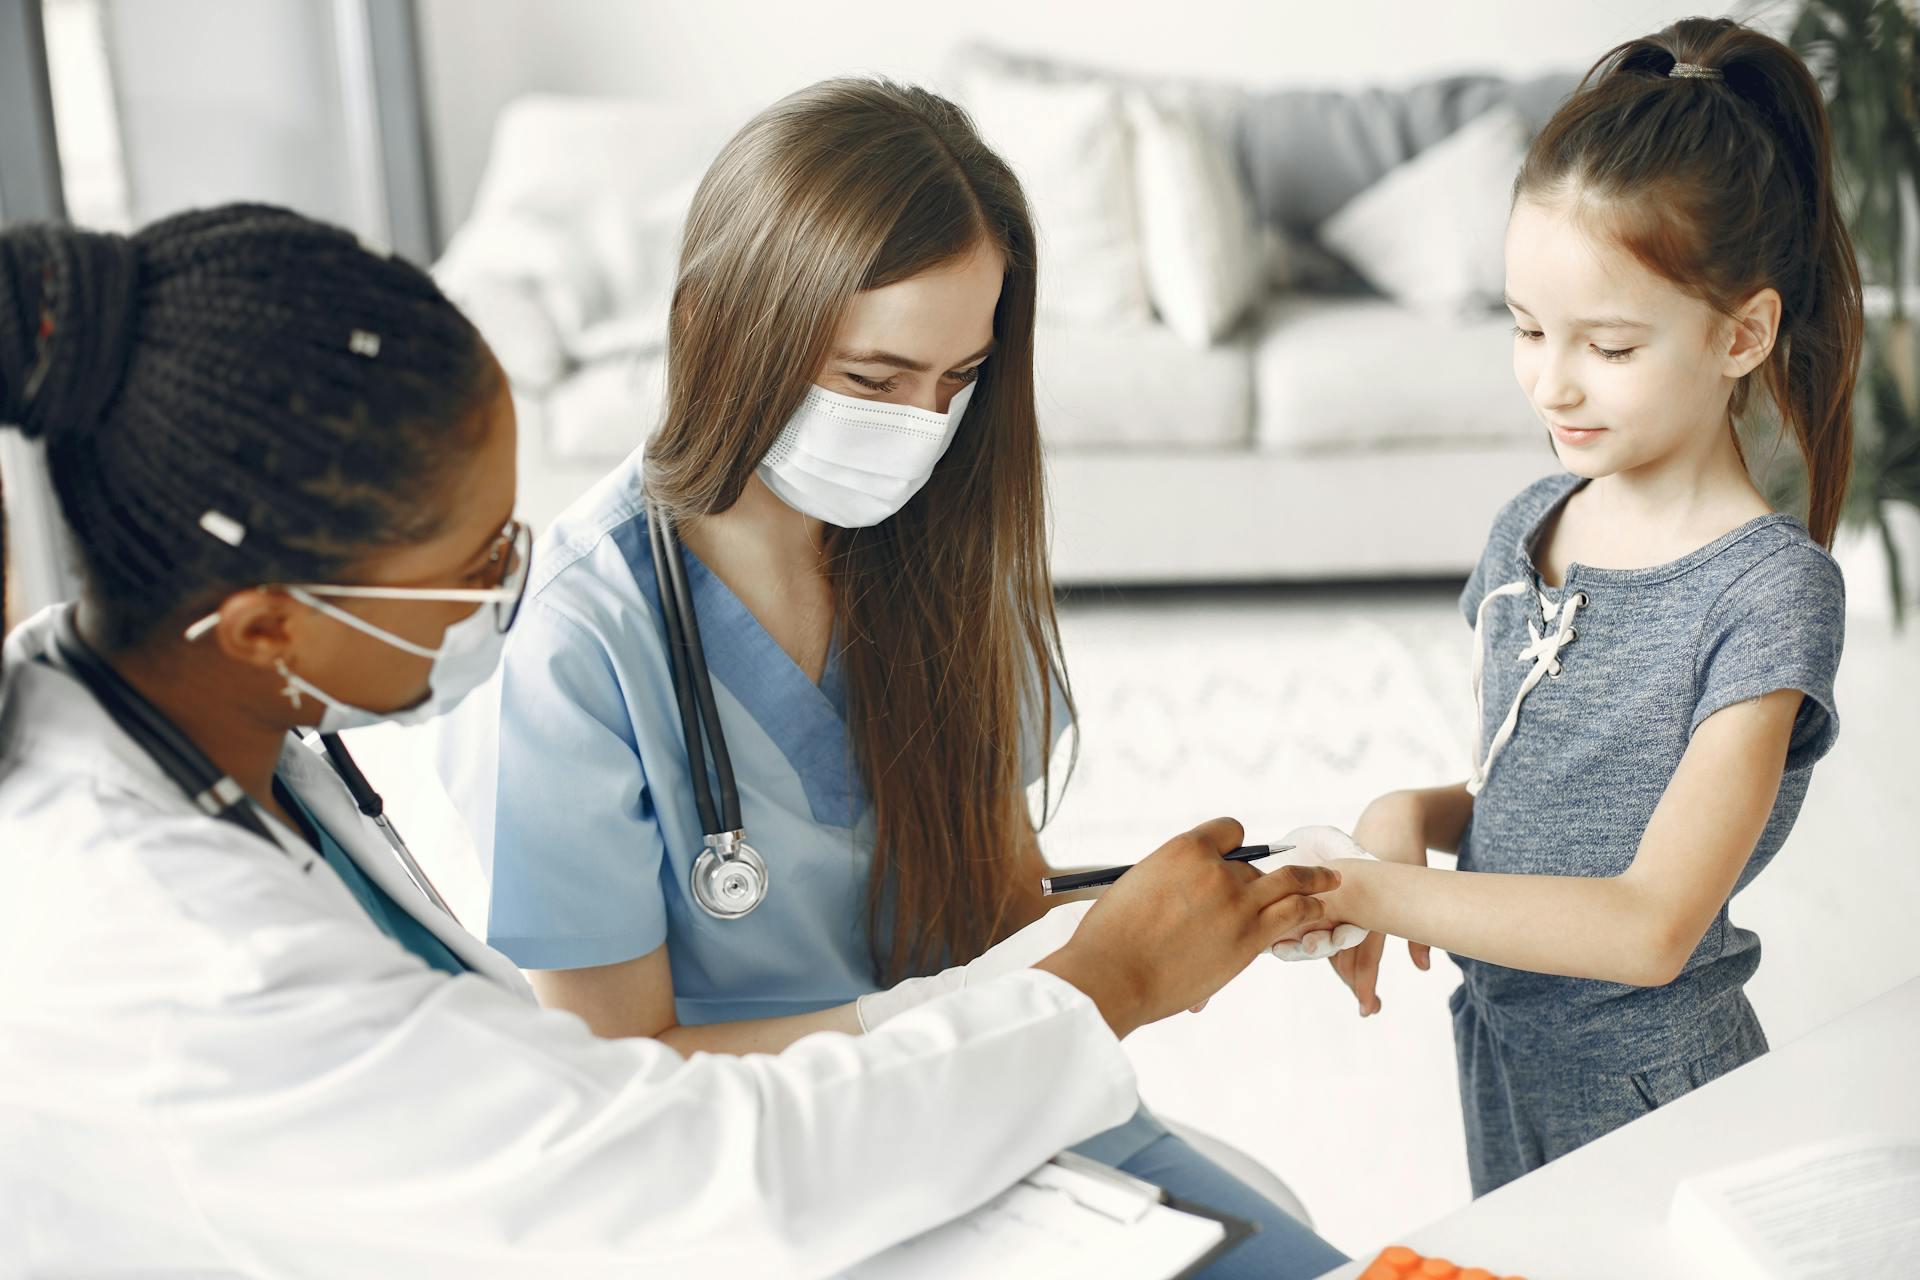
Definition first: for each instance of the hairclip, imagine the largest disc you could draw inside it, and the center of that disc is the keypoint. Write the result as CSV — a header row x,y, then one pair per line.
x,y
363,343
223,527
1694,71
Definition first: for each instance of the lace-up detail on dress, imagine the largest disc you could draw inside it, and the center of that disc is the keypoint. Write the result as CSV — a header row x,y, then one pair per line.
x,y
1551,634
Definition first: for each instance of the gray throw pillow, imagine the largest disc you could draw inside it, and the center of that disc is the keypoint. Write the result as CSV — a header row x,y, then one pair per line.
x,y
1307,152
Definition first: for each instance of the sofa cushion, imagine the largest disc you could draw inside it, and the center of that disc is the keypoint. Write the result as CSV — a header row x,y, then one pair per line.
x,y
1136,385
569,256
1432,233
517,326
555,154
1217,102
1307,152
1367,373
1071,147
1204,258
1096,385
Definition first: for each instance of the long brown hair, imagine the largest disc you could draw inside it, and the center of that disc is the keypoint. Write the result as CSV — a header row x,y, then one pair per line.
x,y
945,610
1723,184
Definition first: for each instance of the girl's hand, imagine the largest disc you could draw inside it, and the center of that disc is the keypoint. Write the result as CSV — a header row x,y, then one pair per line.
x,y
1323,847
1392,829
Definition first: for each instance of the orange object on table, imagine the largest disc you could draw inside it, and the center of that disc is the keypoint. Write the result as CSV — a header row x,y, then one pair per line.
x,y
1397,1262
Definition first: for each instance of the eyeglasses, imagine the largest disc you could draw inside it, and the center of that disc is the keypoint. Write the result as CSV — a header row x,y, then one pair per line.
x,y
508,559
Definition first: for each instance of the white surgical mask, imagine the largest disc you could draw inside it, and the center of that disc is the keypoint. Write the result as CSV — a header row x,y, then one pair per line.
x,y
468,653
854,462
469,649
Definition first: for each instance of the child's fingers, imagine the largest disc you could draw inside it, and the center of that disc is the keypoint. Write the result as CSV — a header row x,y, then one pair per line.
x,y
1366,972
1342,962
1421,954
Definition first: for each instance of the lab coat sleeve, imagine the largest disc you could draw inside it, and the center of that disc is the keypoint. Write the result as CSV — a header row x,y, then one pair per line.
x,y
333,1107
543,767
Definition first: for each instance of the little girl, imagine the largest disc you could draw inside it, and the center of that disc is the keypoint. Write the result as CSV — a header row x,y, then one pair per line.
x,y
1655,648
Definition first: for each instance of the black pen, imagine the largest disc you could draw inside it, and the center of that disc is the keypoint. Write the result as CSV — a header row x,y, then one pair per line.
x,y
1050,885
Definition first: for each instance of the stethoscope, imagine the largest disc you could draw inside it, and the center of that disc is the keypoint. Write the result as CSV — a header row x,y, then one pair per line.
x,y
213,792
729,877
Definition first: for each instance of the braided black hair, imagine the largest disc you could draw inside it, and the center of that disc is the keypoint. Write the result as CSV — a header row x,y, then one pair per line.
x,y
244,360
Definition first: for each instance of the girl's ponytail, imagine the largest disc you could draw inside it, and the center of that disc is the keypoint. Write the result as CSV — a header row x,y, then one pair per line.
x,y
1719,177
1813,369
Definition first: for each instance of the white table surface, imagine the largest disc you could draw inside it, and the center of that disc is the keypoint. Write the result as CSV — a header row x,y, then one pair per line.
x,y
1600,1213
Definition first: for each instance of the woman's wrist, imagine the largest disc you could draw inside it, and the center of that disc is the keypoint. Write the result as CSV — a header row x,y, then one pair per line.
x,y
1119,998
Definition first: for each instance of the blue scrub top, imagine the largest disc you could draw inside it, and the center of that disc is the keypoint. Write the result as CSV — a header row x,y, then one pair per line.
x,y
571,773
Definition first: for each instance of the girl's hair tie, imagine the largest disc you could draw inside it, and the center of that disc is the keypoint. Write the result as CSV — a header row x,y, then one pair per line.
x,y
1694,71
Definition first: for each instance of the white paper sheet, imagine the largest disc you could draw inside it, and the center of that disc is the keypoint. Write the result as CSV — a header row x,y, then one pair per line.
x,y
1829,1211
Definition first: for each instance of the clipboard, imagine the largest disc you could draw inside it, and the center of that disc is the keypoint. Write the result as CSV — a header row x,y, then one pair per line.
x,y
1071,1217
1238,1230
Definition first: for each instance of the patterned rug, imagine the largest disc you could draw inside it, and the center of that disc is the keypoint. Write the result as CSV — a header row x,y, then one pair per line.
x,y
1277,708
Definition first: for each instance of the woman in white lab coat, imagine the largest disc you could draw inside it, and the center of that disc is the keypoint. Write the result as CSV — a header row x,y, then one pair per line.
x,y
235,1037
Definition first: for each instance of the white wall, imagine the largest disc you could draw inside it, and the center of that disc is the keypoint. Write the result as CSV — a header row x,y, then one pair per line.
x,y
742,54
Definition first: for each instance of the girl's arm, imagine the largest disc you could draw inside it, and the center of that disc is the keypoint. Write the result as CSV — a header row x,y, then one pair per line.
x,y
1400,827
1405,824
1638,927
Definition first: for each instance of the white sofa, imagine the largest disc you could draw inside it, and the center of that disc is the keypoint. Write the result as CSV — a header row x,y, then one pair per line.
x,y
1329,435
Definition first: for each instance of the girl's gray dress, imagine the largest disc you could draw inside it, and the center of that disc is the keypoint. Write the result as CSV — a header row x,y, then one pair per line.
x,y
1589,695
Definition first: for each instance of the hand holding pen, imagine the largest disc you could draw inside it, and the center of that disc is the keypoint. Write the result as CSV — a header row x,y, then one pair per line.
x,y
1323,845
1183,922
1074,881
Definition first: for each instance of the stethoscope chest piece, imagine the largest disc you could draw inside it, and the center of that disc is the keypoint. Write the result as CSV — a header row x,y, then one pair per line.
x,y
729,877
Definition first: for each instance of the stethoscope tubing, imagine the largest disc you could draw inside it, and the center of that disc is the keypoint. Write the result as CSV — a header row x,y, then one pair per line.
x,y
682,682
693,685
729,878
210,789
214,792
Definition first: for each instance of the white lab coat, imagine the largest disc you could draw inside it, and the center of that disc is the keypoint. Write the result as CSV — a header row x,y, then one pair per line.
x,y
213,1063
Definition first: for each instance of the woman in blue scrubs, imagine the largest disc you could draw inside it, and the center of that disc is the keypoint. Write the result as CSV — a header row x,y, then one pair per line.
x,y
850,457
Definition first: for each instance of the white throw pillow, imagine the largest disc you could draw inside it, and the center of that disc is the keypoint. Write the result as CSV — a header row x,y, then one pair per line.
x,y
517,327
636,244
1203,258
1069,145
1431,232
